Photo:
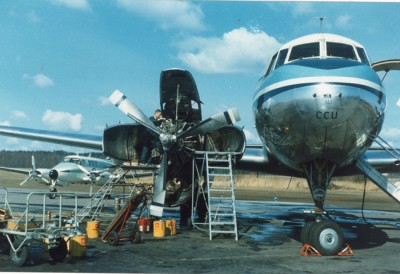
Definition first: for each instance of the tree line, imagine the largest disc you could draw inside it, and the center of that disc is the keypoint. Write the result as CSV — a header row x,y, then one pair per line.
x,y
43,159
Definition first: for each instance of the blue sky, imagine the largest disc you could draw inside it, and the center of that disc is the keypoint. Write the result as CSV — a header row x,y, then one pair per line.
x,y
61,59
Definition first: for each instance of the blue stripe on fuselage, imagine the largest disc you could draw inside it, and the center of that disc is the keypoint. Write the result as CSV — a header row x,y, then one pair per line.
x,y
330,67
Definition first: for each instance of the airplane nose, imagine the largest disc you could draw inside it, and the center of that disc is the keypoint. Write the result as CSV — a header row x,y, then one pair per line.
x,y
53,174
328,105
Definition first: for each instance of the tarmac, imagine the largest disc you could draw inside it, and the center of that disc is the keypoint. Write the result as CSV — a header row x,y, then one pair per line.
x,y
269,241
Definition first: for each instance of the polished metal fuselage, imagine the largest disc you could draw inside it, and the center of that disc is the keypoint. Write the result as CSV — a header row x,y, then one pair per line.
x,y
319,109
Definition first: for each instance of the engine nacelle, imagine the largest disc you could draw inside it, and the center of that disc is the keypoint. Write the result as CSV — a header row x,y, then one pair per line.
x,y
226,139
120,141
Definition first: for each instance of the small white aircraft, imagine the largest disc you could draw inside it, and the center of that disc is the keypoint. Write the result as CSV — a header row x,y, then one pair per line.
x,y
74,169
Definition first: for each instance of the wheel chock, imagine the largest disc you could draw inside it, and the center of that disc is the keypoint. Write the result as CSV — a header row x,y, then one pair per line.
x,y
308,250
347,251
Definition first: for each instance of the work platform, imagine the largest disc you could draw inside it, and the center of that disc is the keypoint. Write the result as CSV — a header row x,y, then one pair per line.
x,y
213,193
120,178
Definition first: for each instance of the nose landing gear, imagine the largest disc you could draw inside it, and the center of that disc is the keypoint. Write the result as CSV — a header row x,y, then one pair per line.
x,y
325,236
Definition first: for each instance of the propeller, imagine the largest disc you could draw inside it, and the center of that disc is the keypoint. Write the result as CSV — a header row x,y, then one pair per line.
x,y
92,176
168,139
33,174
118,99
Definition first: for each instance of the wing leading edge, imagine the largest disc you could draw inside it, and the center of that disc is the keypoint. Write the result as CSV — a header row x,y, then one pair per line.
x,y
62,138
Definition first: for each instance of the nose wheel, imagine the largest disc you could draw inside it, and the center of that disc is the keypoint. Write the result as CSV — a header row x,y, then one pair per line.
x,y
326,236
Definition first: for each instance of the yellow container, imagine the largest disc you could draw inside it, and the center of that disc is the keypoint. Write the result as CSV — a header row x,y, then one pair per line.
x,y
93,229
11,224
77,246
158,229
170,227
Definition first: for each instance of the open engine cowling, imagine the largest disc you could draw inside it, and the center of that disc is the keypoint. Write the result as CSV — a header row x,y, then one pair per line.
x,y
120,141
226,139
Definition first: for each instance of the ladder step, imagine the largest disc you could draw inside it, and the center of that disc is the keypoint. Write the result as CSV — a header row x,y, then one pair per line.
x,y
222,215
219,174
224,231
220,189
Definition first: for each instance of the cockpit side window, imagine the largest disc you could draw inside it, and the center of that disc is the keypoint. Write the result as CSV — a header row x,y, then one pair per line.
x,y
271,65
340,50
362,55
281,58
304,51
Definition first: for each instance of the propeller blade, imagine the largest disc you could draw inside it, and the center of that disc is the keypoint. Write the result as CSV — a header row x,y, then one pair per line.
x,y
118,99
83,169
26,180
31,173
215,122
157,204
33,163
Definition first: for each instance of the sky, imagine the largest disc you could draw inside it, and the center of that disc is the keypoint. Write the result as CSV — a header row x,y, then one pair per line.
x,y
61,59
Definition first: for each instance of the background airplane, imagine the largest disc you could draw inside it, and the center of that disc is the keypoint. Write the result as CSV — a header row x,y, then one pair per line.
x,y
74,169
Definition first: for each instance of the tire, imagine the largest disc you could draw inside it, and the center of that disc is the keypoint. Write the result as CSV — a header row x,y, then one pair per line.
x,y
113,238
59,252
20,257
137,237
4,244
53,193
305,232
327,237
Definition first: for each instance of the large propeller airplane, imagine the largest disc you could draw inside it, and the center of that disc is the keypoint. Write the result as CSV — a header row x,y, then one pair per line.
x,y
318,108
73,169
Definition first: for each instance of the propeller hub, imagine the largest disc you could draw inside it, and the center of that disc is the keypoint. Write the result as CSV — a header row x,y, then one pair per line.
x,y
167,140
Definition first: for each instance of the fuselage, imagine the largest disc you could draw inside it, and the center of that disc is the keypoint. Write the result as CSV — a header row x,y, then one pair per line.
x,y
319,100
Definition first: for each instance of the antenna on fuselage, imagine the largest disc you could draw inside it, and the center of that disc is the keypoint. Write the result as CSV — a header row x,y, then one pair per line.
x,y
321,21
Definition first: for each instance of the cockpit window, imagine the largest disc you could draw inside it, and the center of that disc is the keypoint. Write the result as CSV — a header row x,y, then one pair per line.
x,y
281,58
340,50
271,64
362,55
304,51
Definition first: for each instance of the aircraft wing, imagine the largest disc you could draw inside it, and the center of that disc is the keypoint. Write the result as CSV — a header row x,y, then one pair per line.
x,y
62,138
386,65
15,170
256,158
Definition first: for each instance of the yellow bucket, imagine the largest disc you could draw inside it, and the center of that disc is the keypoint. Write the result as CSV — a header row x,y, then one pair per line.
x,y
77,246
170,226
93,229
21,226
158,229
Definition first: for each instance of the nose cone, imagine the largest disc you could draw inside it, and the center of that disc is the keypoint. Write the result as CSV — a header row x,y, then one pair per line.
x,y
327,105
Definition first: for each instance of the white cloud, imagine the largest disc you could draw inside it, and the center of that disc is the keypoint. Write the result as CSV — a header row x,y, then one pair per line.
x,y
17,114
302,8
58,120
12,141
391,133
40,80
398,103
104,101
33,17
73,4
343,21
5,123
236,51
167,13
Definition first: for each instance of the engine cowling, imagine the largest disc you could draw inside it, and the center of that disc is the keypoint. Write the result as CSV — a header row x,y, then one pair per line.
x,y
120,141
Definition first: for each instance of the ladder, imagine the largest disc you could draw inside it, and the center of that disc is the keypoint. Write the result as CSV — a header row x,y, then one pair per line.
x,y
219,188
94,206
381,181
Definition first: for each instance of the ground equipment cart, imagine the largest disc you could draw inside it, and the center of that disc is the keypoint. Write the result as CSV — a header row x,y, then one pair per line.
x,y
40,227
